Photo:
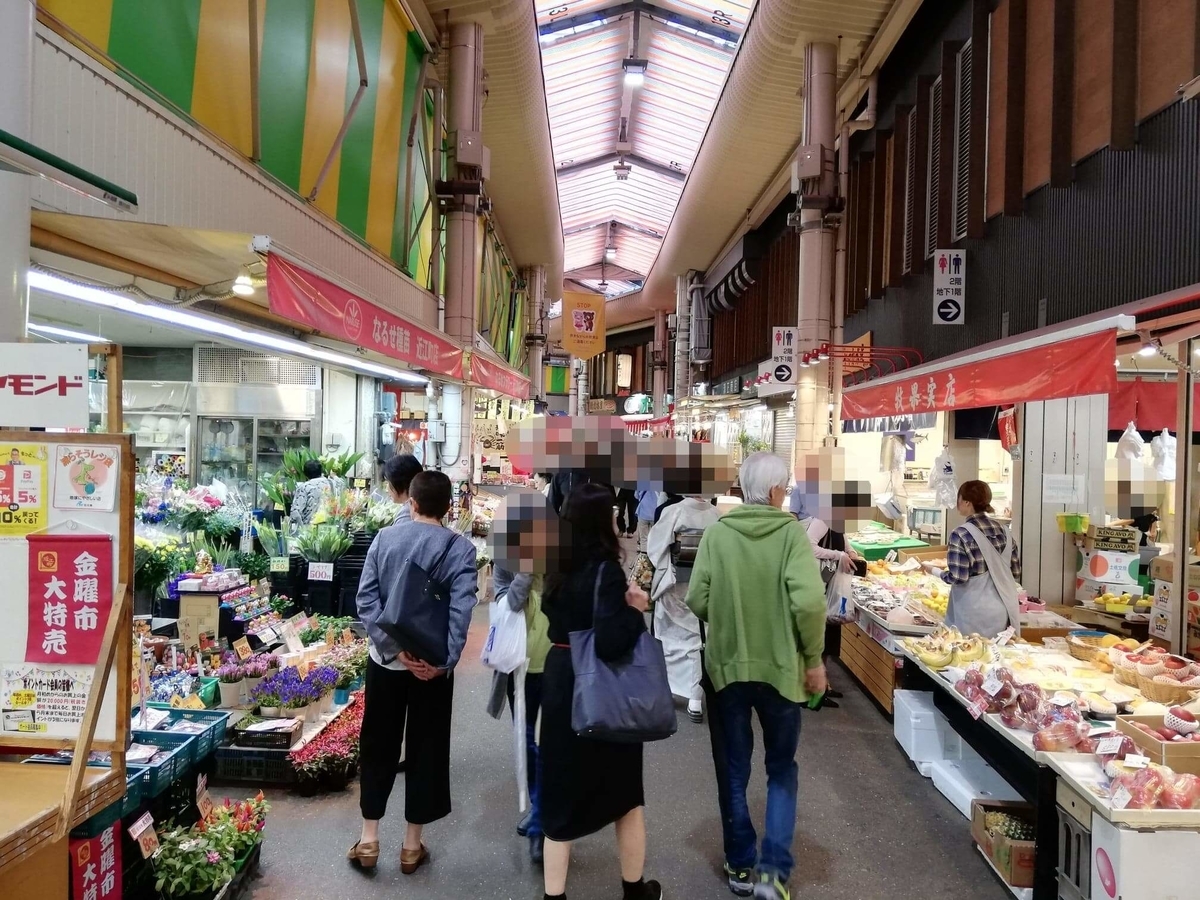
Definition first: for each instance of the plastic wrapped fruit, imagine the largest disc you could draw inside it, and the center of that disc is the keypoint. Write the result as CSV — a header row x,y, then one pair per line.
x,y
1124,748
1013,717
1060,737
1056,713
1182,793
974,676
1030,697
1145,787
972,692
1004,697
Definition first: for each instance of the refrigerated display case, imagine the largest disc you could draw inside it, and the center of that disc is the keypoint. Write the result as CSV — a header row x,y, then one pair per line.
x,y
158,414
225,453
274,438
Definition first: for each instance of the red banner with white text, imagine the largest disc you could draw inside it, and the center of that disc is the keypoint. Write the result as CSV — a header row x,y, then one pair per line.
x,y
1075,367
299,295
70,597
498,377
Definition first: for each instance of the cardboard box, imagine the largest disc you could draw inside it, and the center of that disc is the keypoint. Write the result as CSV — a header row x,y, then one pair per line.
x,y
923,555
1087,591
1113,568
1012,859
1114,539
1160,625
1162,568
1182,757
1142,865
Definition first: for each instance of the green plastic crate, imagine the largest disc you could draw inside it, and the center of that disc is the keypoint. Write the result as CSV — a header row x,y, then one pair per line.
x,y
208,740
89,828
135,787
177,765
208,691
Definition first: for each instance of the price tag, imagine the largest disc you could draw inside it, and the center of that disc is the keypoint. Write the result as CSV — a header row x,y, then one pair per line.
x,y
347,636
1004,637
1137,761
992,686
1062,701
976,709
330,637
280,563
192,701
1108,746
143,832
22,699
242,648
1099,729
320,571
1120,798
176,702
203,800
267,635
302,667
291,638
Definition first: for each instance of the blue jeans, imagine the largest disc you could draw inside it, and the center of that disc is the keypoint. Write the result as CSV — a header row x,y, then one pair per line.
x,y
780,721
533,758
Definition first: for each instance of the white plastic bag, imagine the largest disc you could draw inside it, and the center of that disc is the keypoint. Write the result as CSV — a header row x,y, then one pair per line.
x,y
1131,445
504,648
942,480
1162,450
519,736
839,599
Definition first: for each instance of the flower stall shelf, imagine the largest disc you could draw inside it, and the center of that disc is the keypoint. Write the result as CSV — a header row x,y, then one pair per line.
x,y
213,858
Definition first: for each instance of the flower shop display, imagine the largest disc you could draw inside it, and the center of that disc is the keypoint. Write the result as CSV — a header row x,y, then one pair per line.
x,y
230,677
199,860
331,757
350,661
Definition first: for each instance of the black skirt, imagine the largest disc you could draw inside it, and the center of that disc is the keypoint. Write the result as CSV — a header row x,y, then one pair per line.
x,y
586,784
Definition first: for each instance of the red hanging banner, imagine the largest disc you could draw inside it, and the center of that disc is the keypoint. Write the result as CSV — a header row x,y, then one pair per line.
x,y
1075,367
500,378
303,297
96,865
70,597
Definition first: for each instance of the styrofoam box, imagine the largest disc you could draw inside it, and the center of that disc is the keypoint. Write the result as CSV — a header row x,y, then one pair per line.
x,y
964,780
923,732
1142,865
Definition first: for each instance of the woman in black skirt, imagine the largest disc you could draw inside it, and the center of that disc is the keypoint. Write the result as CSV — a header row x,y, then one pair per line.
x,y
589,784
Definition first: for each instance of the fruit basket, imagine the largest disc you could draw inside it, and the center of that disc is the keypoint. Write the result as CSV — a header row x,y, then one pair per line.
x,y
1086,645
1163,693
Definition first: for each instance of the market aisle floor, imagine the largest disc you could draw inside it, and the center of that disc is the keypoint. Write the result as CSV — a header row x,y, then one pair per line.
x,y
869,826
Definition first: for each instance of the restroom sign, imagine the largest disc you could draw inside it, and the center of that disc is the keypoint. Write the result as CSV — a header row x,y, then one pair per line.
x,y
949,287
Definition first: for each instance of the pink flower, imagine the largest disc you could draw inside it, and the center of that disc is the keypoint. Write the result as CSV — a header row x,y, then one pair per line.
x,y
214,857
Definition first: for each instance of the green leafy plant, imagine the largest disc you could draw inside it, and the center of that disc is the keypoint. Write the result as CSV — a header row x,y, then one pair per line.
x,y
273,542
221,554
223,526
280,603
254,566
191,861
322,543
340,464
312,635
752,444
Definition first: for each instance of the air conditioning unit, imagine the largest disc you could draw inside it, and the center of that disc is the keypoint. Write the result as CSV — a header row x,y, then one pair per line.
x,y
673,321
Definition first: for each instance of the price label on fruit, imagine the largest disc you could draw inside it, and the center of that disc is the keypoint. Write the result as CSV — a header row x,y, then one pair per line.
x,y
318,571
280,563
1137,761
143,832
1062,700
992,686
1120,798
1108,746
242,648
976,709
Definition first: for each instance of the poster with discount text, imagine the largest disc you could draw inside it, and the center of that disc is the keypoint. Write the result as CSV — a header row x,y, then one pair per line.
x,y
86,477
70,597
44,700
23,490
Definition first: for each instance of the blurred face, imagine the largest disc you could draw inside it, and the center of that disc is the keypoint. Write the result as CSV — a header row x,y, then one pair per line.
x,y
525,535
965,507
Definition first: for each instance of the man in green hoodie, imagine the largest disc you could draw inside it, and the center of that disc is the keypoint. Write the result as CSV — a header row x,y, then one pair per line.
x,y
757,586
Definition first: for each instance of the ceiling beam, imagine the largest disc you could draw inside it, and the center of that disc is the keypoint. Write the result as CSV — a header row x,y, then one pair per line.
x,y
591,226
632,158
621,9
894,24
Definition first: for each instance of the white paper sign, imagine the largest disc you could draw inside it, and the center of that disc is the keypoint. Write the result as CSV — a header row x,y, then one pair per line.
x,y
43,386
1108,746
86,477
992,686
1137,761
1068,490
1120,797
318,571
949,287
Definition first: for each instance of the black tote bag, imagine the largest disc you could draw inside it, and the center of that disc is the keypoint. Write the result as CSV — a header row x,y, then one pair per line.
x,y
417,613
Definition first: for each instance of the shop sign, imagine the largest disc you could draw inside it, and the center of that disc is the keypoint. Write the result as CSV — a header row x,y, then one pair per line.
x,y
70,597
500,378
602,406
583,330
85,477
96,865
43,386
728,386
949,287
1075,367
303,297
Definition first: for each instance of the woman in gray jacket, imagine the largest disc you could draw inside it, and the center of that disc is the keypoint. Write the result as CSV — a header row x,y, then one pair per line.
x,y
409,701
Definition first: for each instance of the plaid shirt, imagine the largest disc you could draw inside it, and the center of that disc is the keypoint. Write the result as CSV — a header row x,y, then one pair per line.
x,y
964,558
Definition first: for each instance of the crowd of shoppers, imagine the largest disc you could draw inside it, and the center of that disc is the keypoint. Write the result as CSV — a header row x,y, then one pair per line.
x,y
740,613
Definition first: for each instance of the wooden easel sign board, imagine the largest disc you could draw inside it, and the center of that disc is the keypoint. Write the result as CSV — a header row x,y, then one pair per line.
x,y
66,553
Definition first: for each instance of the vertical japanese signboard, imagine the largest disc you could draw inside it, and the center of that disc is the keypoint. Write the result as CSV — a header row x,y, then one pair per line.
x,y
583,331
949,287
96,865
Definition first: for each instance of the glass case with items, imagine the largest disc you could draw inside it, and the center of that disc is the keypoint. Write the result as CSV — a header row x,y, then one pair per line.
x,y
276,437
158,414
226,453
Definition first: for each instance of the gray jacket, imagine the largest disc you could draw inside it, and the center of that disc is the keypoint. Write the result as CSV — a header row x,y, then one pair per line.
x,y
511,587
423,544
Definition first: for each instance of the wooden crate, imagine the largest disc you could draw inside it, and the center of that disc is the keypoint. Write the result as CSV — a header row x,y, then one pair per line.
x,y
870,663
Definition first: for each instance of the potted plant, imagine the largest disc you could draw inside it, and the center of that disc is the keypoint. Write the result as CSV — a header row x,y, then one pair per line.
x,y
256,670
322,544
266,695
294,694
192,863
229,679
323,679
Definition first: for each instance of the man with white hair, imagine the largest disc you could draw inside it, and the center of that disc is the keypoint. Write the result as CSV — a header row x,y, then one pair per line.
x,y
757,586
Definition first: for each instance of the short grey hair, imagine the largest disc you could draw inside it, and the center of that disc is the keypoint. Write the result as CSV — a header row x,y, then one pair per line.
x,y
759,473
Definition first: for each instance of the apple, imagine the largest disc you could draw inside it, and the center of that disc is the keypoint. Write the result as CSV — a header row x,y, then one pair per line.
x,y
1174,662
1180,712
1167,734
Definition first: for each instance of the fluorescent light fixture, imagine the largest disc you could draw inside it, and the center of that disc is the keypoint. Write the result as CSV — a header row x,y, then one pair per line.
x,y
54,331
610,254
243,286
1147,350
218,328
635,72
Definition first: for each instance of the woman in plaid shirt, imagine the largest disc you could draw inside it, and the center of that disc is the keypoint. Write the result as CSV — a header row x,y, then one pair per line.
x,y
983,568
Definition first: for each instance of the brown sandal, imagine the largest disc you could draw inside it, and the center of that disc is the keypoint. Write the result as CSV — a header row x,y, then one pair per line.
x,y
411,860
365,856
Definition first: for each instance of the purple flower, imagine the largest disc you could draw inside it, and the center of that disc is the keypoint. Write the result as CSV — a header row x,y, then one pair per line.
x,y
214,857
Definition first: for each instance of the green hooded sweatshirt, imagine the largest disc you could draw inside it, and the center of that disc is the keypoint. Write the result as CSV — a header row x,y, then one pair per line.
x,y
757,585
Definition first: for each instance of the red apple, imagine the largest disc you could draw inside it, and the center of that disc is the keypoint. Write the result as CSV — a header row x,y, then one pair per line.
x,y
1146,728
1180,713
1167,734
1174,662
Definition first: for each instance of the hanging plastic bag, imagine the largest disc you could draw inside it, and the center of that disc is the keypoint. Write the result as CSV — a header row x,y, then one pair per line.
x,y
839,599
1162,450
1131,445
519,734
504,649
942,480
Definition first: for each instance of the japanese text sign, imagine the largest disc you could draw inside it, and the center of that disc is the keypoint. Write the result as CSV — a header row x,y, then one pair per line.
x,y
303,297
43,386
96,865
23,482
85,477
949,287
583,329
783,354
499,378
70,597
1075,367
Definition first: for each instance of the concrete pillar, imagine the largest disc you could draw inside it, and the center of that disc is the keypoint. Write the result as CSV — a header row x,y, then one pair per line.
x,y
16,101
536,281
658,382
683,340
573,390
464,114
815,303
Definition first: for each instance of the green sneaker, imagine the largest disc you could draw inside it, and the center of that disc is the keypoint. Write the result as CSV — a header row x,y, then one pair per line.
x,y
741,881
769,887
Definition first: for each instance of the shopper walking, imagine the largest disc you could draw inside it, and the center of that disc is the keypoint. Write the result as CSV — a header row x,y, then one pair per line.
x,y
399,472
983,568
589,784
647,503
522,592
627,518
757,586
674,624
408,700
